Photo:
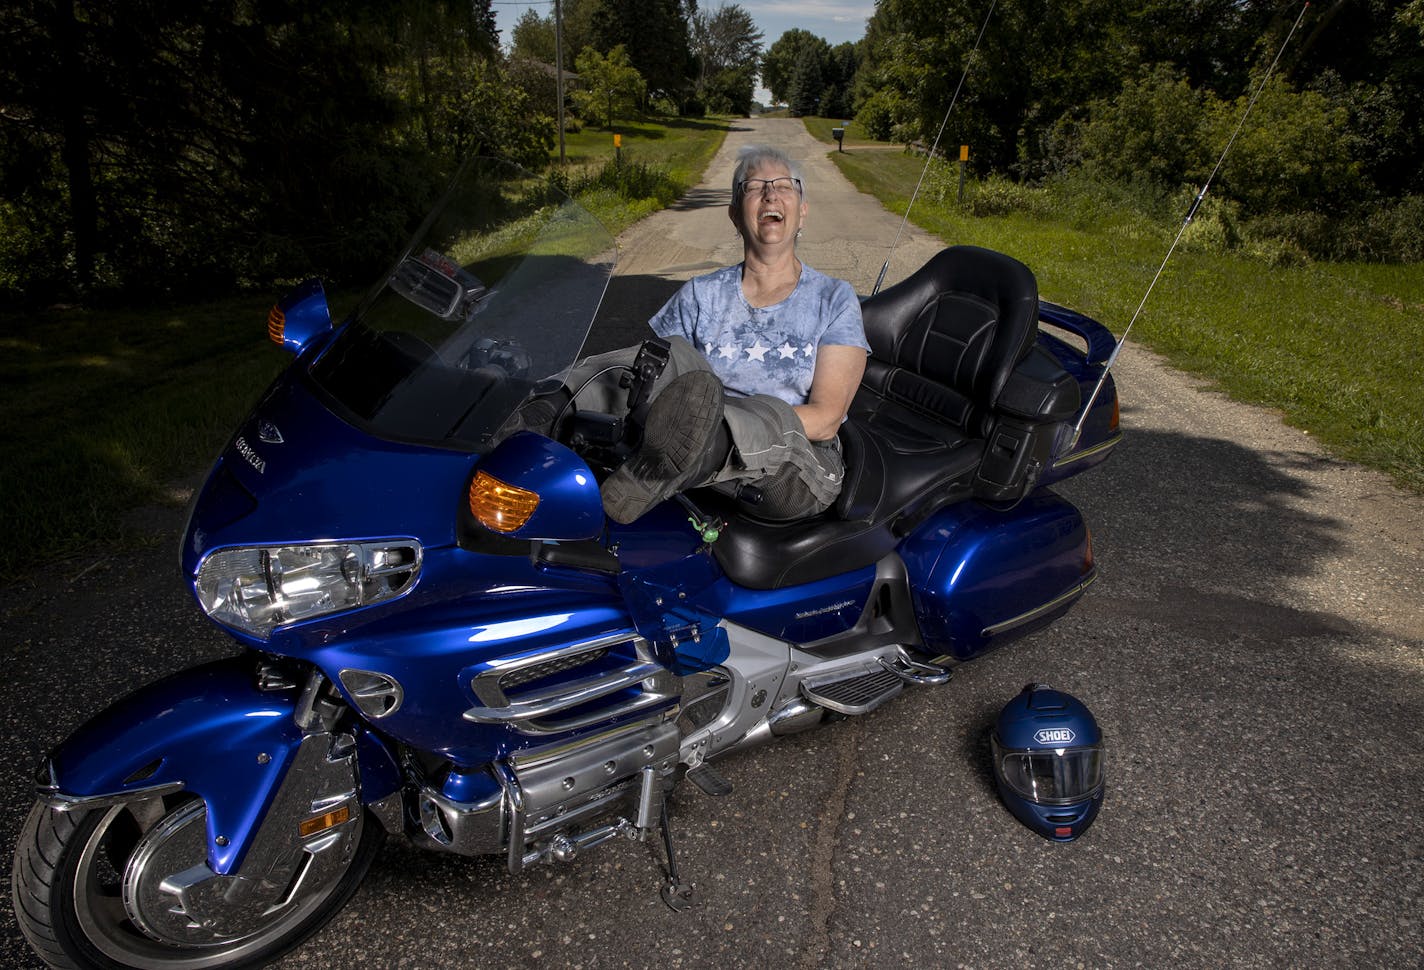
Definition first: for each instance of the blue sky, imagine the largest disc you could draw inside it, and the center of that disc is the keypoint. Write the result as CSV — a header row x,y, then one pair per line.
x,y
834,20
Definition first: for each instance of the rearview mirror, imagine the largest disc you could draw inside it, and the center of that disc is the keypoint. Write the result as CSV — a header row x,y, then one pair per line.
x,y
437,283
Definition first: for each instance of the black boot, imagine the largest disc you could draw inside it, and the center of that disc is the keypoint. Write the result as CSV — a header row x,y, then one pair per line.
x,y
679,438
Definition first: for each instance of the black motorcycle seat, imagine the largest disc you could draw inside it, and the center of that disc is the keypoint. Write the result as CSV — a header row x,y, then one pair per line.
x,y
943,343
892,483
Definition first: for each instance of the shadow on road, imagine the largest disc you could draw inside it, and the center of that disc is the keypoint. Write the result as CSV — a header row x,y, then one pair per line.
x,y
702,198
627,306
1175,510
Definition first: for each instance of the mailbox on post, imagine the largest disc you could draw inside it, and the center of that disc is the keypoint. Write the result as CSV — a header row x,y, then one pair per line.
x,y
839,135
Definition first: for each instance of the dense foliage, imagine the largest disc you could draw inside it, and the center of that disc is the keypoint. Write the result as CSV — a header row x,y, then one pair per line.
x,y
809,75
691,58
165,146
177,148
173,149
1146,93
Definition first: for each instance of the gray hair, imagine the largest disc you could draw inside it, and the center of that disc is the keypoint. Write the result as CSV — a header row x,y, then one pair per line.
x,y
751,156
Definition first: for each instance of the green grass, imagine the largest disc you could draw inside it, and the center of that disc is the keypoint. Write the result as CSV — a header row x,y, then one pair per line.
x,y
666,156
106,411
820,128
1332,346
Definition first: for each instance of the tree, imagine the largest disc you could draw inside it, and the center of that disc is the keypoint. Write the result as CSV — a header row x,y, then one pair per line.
x,y
469,106
727,47
779,65
1156,130
533,37
723,38
808,80
839,70
1022,79
654,33
172,146
611,85
1288,159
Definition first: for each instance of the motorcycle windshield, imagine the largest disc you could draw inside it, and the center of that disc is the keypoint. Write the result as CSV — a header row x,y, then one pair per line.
x,y
492,298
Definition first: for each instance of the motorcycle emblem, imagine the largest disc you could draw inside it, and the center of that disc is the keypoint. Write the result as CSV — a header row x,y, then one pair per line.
x,y
1054,736
268,432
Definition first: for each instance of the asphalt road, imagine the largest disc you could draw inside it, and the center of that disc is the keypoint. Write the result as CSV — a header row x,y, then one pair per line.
x,y
1252,649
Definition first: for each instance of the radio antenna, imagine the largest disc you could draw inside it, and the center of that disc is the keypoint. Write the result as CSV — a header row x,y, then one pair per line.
x,y
928,161
1191,214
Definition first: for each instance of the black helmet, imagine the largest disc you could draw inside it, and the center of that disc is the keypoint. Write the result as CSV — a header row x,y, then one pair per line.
x,y
1048,762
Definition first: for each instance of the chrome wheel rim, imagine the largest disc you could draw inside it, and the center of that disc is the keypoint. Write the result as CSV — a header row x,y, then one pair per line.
x,y
124,903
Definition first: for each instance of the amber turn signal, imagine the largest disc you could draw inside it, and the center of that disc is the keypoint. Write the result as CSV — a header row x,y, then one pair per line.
x,y
323,822
499,506
277,325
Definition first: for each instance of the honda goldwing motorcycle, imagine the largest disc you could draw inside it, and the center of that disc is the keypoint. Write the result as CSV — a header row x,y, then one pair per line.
x,y
447,641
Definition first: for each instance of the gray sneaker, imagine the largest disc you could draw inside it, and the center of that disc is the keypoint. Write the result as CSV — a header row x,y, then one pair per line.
x,y
682,424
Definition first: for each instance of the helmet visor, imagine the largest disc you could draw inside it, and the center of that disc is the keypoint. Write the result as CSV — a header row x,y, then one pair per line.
x,y
1052,777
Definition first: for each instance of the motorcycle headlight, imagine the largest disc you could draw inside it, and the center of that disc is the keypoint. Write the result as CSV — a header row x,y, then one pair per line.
x,y
257,589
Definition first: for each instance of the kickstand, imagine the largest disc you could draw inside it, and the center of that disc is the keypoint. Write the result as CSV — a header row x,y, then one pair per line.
x,y
676,893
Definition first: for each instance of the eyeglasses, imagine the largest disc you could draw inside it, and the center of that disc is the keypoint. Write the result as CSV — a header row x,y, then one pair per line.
x,y
785,185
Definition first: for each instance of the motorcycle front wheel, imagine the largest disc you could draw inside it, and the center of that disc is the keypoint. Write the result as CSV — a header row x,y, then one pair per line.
x,y
81,877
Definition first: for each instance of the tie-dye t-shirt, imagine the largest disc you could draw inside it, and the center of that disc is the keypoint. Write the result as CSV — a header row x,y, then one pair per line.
x,y
763,350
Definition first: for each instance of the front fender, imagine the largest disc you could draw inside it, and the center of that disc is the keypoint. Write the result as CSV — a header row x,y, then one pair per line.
x,y
208,730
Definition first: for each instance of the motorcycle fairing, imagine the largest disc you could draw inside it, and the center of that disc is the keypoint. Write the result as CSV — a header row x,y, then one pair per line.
x,y
301,317
475,615
570,506
208,730
322,480
666,605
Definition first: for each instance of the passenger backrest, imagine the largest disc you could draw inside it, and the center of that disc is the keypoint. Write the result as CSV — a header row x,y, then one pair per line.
x,y
944,340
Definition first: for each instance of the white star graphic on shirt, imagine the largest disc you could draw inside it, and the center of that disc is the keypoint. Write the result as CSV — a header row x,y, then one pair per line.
x,y
786,351
728,351
707,350
757,352
810,350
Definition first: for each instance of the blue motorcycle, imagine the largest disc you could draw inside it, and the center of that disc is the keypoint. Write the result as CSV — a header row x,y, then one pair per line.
x,y
447,641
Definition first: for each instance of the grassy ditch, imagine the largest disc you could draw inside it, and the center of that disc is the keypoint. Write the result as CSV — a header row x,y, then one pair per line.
x,y
103,412
1333,346
657,162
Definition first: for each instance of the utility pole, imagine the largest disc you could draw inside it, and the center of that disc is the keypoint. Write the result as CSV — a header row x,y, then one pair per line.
x,y
559,74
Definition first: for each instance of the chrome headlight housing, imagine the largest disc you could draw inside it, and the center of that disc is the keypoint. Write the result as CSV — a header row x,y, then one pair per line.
x,y
258,588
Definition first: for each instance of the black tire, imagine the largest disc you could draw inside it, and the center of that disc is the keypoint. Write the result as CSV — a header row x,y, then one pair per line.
x,y
70,908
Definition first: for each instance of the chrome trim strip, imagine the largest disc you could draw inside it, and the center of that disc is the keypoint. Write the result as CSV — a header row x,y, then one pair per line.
x,y
61,802
569,695
495,669
1088,452
558,726
1037,611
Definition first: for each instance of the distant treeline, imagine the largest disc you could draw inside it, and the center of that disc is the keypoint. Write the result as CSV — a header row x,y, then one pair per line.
x,y
169,147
